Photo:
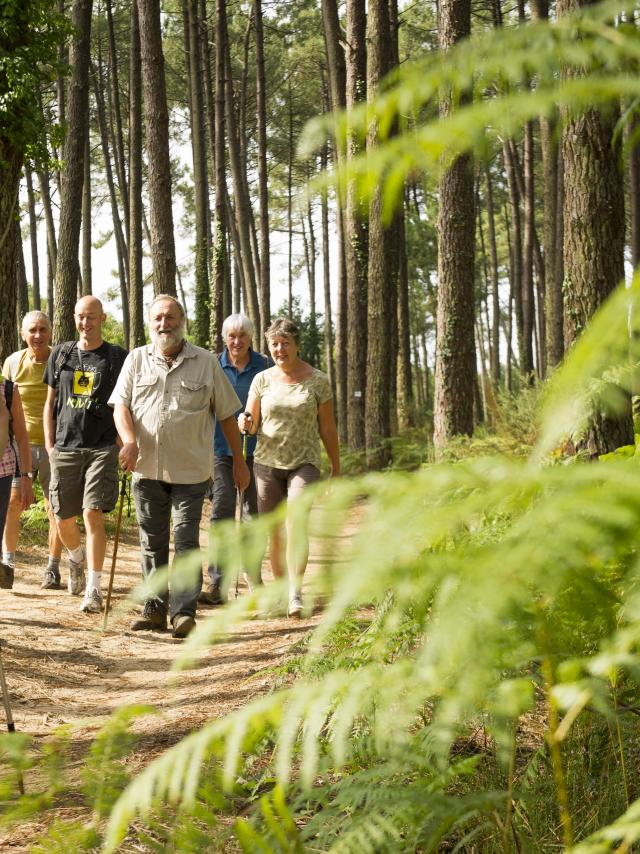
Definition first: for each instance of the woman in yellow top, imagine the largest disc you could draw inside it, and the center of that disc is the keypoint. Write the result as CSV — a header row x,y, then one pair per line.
x,y
290,407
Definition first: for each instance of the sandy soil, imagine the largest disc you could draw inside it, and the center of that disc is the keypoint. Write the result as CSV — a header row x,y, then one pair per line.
x,y
62,669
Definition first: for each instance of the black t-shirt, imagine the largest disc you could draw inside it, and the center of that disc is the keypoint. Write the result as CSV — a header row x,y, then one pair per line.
x,y
84,380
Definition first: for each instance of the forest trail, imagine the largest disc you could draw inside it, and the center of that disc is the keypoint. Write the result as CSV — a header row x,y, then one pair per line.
x,y
62,669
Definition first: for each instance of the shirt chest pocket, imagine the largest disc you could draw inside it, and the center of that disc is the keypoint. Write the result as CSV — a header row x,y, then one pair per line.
x,y
193,396
145,391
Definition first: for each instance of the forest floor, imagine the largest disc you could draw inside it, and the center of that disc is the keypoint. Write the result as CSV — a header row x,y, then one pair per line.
x,y
61,668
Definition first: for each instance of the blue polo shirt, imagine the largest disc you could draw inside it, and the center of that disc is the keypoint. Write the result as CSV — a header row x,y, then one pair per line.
x,y
241,382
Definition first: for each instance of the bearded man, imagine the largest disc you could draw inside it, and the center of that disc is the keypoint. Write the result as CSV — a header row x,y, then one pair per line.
x,y
165,402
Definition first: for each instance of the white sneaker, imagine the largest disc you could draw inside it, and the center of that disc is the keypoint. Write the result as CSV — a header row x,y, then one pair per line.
x,y
92,602
76,580
295,605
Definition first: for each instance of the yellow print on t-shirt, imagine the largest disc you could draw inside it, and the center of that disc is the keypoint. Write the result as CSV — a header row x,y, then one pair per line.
x,y
83,382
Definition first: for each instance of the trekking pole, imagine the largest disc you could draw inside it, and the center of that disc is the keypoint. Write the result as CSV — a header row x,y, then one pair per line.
x,y
239,503
123,492
7,708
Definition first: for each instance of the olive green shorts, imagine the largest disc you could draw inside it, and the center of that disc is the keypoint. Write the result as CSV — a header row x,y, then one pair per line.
x,y
83,479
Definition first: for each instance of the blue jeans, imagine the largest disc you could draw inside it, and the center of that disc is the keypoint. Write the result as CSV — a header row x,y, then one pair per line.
x,y
155,502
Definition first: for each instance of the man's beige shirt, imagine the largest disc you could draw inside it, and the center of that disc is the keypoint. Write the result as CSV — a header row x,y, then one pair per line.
x,y
173,410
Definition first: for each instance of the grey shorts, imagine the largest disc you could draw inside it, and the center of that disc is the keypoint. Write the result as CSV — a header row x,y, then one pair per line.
x,y
40,467
83,479
275,485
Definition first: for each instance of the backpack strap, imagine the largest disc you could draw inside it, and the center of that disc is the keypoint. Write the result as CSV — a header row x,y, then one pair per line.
x,y
61,361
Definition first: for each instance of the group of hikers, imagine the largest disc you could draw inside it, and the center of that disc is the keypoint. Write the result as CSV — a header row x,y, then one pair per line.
x,y
174,415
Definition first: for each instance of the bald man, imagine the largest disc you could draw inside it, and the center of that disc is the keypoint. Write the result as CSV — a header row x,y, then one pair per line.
x,y
81,440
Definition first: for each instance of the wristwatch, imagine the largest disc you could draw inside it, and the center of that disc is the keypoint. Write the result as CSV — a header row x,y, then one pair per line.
x,y
28,474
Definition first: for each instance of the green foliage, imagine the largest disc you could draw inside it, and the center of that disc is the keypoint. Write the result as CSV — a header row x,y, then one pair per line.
x,y
30,31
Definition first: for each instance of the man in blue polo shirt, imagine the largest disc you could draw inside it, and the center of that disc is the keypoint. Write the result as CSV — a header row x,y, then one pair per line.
x,y
240,364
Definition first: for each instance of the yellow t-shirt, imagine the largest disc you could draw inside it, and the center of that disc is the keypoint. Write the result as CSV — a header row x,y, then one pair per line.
x,y
28,376
289,435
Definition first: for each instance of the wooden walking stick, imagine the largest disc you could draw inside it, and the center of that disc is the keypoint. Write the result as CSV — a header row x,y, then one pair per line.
x,y
7,708
123,492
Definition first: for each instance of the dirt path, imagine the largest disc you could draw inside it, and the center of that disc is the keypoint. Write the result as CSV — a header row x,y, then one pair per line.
x,y
61,668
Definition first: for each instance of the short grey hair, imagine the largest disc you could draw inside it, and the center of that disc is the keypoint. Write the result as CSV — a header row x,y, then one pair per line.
x,y
283,326
237,321
161,298
33,317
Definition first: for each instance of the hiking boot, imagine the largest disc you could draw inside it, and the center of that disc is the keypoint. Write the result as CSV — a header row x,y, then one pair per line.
x,y
92,602
183,625
50,580
210,595
6,576
295,606
153,618
76,581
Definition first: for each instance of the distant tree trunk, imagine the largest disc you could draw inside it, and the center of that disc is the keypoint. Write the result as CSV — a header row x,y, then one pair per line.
x,y
326,282
263,195
495,295
516,244
242,203
405,399
86,219
201,187
311,255
356,234
136,310
121,247
220,261
33,235
337,91
290,202
23,288
380,289
455,357
67,268
634,188
163,252
528,303
119,154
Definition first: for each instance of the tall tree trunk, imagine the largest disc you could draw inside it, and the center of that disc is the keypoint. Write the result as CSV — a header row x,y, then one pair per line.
x,y
455,356
356,244
528,304
380,290
33,236
495,294
121,248
290,202
119,153
263,195
242,203
333,37
201,188
163,251
86,219
67,268
516,243
136,300
220,261
405,400
326,282
11,158
22,306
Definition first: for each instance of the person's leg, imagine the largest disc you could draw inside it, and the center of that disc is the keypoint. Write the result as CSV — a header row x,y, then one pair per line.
x,y
66,491
271,489
6,572
39,453
12,526
100,496
152,499
297,538
186,501
223,502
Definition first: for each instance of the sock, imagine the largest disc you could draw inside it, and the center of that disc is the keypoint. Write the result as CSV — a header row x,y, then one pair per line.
x,y
54,564
93,582
76,555
9,558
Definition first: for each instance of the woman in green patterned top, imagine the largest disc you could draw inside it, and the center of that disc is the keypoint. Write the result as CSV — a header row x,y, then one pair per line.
x,y
290,407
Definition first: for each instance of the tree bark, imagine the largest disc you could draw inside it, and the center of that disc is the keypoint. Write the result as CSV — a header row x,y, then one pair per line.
x,y
220,261
33,236
119,154
263,195
86,220
163,252
495,294
455,355
356,241
67,268
136,311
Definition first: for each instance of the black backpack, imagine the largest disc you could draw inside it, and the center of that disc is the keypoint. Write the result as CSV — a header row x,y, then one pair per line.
x,y
8,397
